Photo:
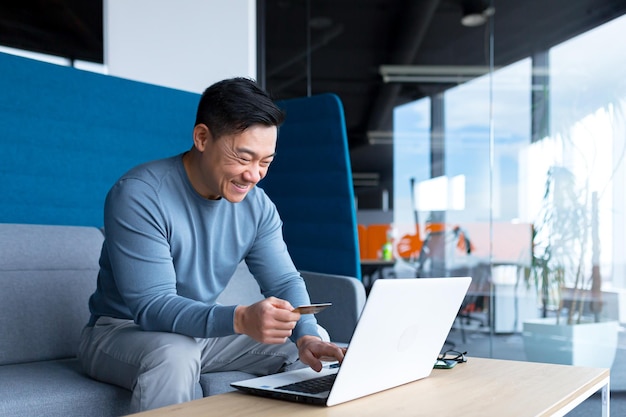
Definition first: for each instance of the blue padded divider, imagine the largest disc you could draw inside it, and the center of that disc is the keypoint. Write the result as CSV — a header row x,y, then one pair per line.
x,y
66,135
310,181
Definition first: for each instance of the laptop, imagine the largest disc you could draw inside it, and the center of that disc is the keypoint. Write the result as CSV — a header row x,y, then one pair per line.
x,y
400,333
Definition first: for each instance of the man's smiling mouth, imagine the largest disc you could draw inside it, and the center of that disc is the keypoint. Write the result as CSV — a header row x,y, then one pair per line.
x,y
241,186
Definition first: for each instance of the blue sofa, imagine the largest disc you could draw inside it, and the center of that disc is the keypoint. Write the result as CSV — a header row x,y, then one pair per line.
x,y
47,274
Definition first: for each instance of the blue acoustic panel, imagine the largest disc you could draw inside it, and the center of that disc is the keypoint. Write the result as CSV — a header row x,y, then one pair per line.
x,y
66,135
310,181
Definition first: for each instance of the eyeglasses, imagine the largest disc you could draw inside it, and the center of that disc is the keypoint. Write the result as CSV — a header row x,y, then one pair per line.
x,y
453,355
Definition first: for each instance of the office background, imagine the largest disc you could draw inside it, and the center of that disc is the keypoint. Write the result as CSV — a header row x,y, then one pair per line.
x,y
560,103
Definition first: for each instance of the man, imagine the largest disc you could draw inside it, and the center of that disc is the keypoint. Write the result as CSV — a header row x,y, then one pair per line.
x,y
176,229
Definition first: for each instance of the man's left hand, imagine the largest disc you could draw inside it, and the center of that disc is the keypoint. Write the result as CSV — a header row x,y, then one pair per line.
x,y
313,350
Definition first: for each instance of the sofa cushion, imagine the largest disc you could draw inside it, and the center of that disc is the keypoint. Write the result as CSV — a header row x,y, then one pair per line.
x,y
57,388
214,383
47,274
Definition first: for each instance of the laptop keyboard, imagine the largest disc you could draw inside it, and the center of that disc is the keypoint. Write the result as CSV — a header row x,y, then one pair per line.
x,y
312,386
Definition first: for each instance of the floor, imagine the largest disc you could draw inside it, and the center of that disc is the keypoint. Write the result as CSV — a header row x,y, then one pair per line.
x,y
480,343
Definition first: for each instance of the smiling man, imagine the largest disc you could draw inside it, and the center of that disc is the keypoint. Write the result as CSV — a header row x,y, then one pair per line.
x,y
175,231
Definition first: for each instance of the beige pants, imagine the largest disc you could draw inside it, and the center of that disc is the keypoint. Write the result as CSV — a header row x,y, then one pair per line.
x,y
164,368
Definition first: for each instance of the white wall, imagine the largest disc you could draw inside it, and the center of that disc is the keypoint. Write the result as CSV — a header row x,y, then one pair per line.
x,y
182,44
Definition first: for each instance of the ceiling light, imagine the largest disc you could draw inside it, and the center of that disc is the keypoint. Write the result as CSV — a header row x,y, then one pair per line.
x,y
365,179
379,137
430,73
475,12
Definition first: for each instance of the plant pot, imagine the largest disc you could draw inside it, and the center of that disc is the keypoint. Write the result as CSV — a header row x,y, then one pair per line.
x,y
587,344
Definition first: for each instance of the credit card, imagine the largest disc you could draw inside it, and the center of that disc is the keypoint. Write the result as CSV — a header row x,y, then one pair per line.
x,y
311,308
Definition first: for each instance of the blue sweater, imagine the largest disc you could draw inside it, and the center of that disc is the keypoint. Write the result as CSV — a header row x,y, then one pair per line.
x,y
169,253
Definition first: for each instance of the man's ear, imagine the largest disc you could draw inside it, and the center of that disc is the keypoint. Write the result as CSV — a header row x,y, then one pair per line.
x,y
201,135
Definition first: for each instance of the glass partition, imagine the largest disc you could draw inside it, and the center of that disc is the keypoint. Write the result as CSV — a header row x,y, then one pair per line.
x,y
517,177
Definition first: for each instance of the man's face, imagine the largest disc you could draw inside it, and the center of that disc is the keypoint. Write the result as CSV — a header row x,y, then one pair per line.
x,y
233,164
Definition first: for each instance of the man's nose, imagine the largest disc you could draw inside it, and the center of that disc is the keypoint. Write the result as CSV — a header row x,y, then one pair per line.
x,y
254,174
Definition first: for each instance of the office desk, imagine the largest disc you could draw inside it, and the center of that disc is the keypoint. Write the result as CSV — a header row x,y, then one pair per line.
x,y
480,387
372,269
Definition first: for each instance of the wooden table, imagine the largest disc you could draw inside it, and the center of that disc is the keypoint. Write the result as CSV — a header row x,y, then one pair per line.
x,y
480,387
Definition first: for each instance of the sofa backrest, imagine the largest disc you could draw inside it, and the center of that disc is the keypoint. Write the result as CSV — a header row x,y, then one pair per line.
x,y
47,274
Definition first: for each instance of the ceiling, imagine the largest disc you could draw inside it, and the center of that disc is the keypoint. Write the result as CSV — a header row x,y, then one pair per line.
x,y
318,46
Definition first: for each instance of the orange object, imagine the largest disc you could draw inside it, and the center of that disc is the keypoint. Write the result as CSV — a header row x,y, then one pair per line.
x,y
409,246
376,238
434,227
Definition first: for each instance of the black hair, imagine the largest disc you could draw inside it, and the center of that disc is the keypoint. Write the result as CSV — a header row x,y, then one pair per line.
x,y
233,105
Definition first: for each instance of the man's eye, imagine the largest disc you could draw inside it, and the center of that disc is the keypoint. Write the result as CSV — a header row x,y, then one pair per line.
x,y
244,160
265,163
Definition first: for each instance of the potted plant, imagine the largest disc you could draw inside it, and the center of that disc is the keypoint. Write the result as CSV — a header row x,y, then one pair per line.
x,y
565,271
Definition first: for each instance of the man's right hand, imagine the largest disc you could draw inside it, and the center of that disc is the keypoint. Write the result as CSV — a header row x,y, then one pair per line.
x,y
269,321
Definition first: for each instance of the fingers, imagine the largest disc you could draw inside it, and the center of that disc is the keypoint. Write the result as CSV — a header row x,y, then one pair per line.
x,y
279,303
280,314
333,353
282,311
308,357
337,357
313,351
275,337
269,321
